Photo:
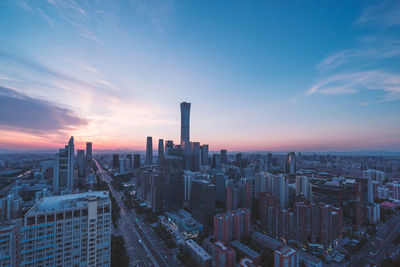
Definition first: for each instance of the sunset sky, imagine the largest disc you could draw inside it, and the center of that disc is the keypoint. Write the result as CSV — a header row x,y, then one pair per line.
x,y
261,75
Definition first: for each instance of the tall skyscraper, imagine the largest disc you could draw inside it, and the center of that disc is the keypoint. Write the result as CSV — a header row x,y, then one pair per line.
x,y
115,161
185,122
203,201
224,156
160,152
63,178
89,149
149,151
204,155
290,163
80,155
77,227
195,156
136,161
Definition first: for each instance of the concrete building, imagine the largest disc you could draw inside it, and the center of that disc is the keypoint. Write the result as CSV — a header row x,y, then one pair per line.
x,y
89,150
149,151
63,179
232,225
161,154
10,207
204,155
186,225
374,175
80,158
303,187
68,230
285,257
245,250
308,260
10,240
202,258
222,255
185,122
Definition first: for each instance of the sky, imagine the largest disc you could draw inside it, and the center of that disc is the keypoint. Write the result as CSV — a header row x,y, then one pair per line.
x,y
261,75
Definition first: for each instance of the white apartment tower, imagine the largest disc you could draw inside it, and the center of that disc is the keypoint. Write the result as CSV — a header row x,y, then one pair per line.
x,y
68,230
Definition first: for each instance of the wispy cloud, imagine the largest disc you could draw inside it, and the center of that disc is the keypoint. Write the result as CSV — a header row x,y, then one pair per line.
x,y
355,70
348,83
384,15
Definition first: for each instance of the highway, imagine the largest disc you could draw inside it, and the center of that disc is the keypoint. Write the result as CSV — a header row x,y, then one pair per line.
x,y
381,244
144,247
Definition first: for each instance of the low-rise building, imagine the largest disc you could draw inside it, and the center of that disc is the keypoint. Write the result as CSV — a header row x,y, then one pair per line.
x,y
201,256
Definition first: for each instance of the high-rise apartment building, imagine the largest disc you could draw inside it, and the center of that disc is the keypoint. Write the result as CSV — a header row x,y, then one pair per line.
x,y
232,225
68,230
285,257
10,240
259,183
89,149
149,151
222,255
185,122
303,187
10,207
63,178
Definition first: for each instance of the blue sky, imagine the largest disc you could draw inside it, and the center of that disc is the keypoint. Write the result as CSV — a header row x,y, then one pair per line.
x,y
261,75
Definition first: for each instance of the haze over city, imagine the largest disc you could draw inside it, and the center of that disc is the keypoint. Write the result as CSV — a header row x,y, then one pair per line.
x,y
270,76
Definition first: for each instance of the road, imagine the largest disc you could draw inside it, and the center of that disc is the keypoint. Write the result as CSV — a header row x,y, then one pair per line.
x,y
380,244
143,246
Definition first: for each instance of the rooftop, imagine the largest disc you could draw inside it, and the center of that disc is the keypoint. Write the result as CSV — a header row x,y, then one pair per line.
x,y
66,201
199,250
285,251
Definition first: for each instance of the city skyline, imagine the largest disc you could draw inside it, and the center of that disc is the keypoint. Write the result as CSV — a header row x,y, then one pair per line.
x,y
261,77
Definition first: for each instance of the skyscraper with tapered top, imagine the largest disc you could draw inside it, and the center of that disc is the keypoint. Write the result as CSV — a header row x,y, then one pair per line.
x,y
63,178
185,122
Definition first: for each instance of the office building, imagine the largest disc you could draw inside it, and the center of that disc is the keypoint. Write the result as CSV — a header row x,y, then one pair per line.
x,y
136,161
195,156
220,184
204,155
89,150
290,163
201,257
10,240
115,161
63,176
185,122
232,225
285,257
156,193
68,230
224,156
149,151
216,161
161,152
188,177
80,157
203,201
222,255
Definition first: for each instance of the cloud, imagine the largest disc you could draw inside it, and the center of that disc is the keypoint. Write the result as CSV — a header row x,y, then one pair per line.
x,y
387,50
349,83
23,113
383,16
